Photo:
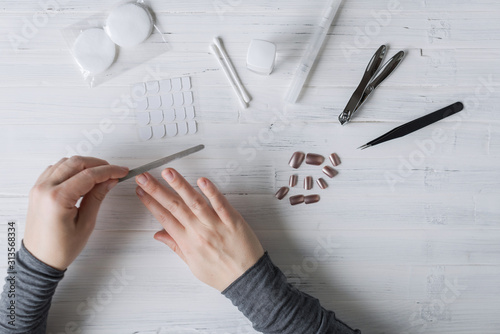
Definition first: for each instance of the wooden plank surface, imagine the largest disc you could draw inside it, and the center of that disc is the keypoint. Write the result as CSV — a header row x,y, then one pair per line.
x,y
409,231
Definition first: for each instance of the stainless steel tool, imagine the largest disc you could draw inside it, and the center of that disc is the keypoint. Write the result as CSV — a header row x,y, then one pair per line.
x,y
160,162
374,76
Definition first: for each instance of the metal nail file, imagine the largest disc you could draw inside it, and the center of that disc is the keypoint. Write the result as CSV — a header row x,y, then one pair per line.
x,y
160,162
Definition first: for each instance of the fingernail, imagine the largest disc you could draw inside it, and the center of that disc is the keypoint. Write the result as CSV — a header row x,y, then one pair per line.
x,y
139,191
111,185
322,183
293,180
169,176
311,199
314,159
297,159
282,193
334,158
203,183
142,179
308,183
329,171
298,199
124,169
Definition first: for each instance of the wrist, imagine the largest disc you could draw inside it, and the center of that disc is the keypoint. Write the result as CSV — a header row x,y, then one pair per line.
x,y
41,259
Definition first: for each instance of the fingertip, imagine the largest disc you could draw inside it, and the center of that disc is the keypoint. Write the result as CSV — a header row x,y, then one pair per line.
x,y
160,236
124,169
139,191
111,184
142,179
168,174
202,183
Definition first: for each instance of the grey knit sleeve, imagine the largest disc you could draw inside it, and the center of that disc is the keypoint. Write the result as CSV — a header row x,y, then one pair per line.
x,y
27,295
274,306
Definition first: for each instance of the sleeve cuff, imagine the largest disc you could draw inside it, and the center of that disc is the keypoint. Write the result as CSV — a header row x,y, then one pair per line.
x,y
30,261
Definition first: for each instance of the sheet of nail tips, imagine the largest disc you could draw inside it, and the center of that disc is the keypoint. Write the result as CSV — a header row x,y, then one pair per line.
x,y
165,108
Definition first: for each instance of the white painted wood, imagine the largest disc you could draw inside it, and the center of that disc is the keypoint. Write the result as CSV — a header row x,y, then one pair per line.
x,y
420,256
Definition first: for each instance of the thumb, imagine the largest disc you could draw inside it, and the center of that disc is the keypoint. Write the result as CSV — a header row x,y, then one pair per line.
x,y
91,202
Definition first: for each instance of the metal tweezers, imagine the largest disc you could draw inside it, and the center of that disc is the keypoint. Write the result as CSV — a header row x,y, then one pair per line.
x,y
373,77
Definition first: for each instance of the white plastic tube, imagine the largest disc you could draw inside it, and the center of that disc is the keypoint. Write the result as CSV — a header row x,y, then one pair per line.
x,y
312,52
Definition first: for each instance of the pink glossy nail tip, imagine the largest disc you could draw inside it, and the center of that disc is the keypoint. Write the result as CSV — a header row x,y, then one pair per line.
x,y
294,179
308,183
282,193
311,199
322,183
297,159
314,159
329,171
334,158
298,199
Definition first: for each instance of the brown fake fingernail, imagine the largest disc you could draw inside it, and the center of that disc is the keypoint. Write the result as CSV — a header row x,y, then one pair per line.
x,y
329,171
314,159
322,183
282,193
334,158
311,199
297,159
308,183
298,199
294,179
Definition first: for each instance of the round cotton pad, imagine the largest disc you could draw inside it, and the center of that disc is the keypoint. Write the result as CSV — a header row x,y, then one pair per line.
x,y
129,25
94,51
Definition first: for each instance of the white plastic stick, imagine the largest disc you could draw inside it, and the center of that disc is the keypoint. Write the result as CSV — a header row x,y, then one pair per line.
x,y
230,66
225,69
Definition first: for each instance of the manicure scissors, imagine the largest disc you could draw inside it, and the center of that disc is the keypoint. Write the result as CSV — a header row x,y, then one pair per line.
x,y
373,77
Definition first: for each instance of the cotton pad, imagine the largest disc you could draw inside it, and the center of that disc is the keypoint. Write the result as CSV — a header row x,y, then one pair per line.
x,y
129,25
94,51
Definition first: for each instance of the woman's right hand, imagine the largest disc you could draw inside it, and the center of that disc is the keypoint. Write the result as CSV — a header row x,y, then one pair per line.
x,y
214,240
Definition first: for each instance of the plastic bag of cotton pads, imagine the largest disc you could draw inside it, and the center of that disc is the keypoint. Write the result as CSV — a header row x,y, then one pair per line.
x,y
107,44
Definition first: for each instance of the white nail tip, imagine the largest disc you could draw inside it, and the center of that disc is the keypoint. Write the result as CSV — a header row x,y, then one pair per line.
x,y
171,130
145,133
153,87
156,116
176,84
154,102
183,128
190,114
159,131
169,115
142,118
141,104
193,127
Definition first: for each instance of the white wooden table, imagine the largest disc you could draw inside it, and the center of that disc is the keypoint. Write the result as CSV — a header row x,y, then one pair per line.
x,y
405,240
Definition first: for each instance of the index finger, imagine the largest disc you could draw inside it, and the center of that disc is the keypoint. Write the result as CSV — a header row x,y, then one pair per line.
x,y
49,170
83,182
72,166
